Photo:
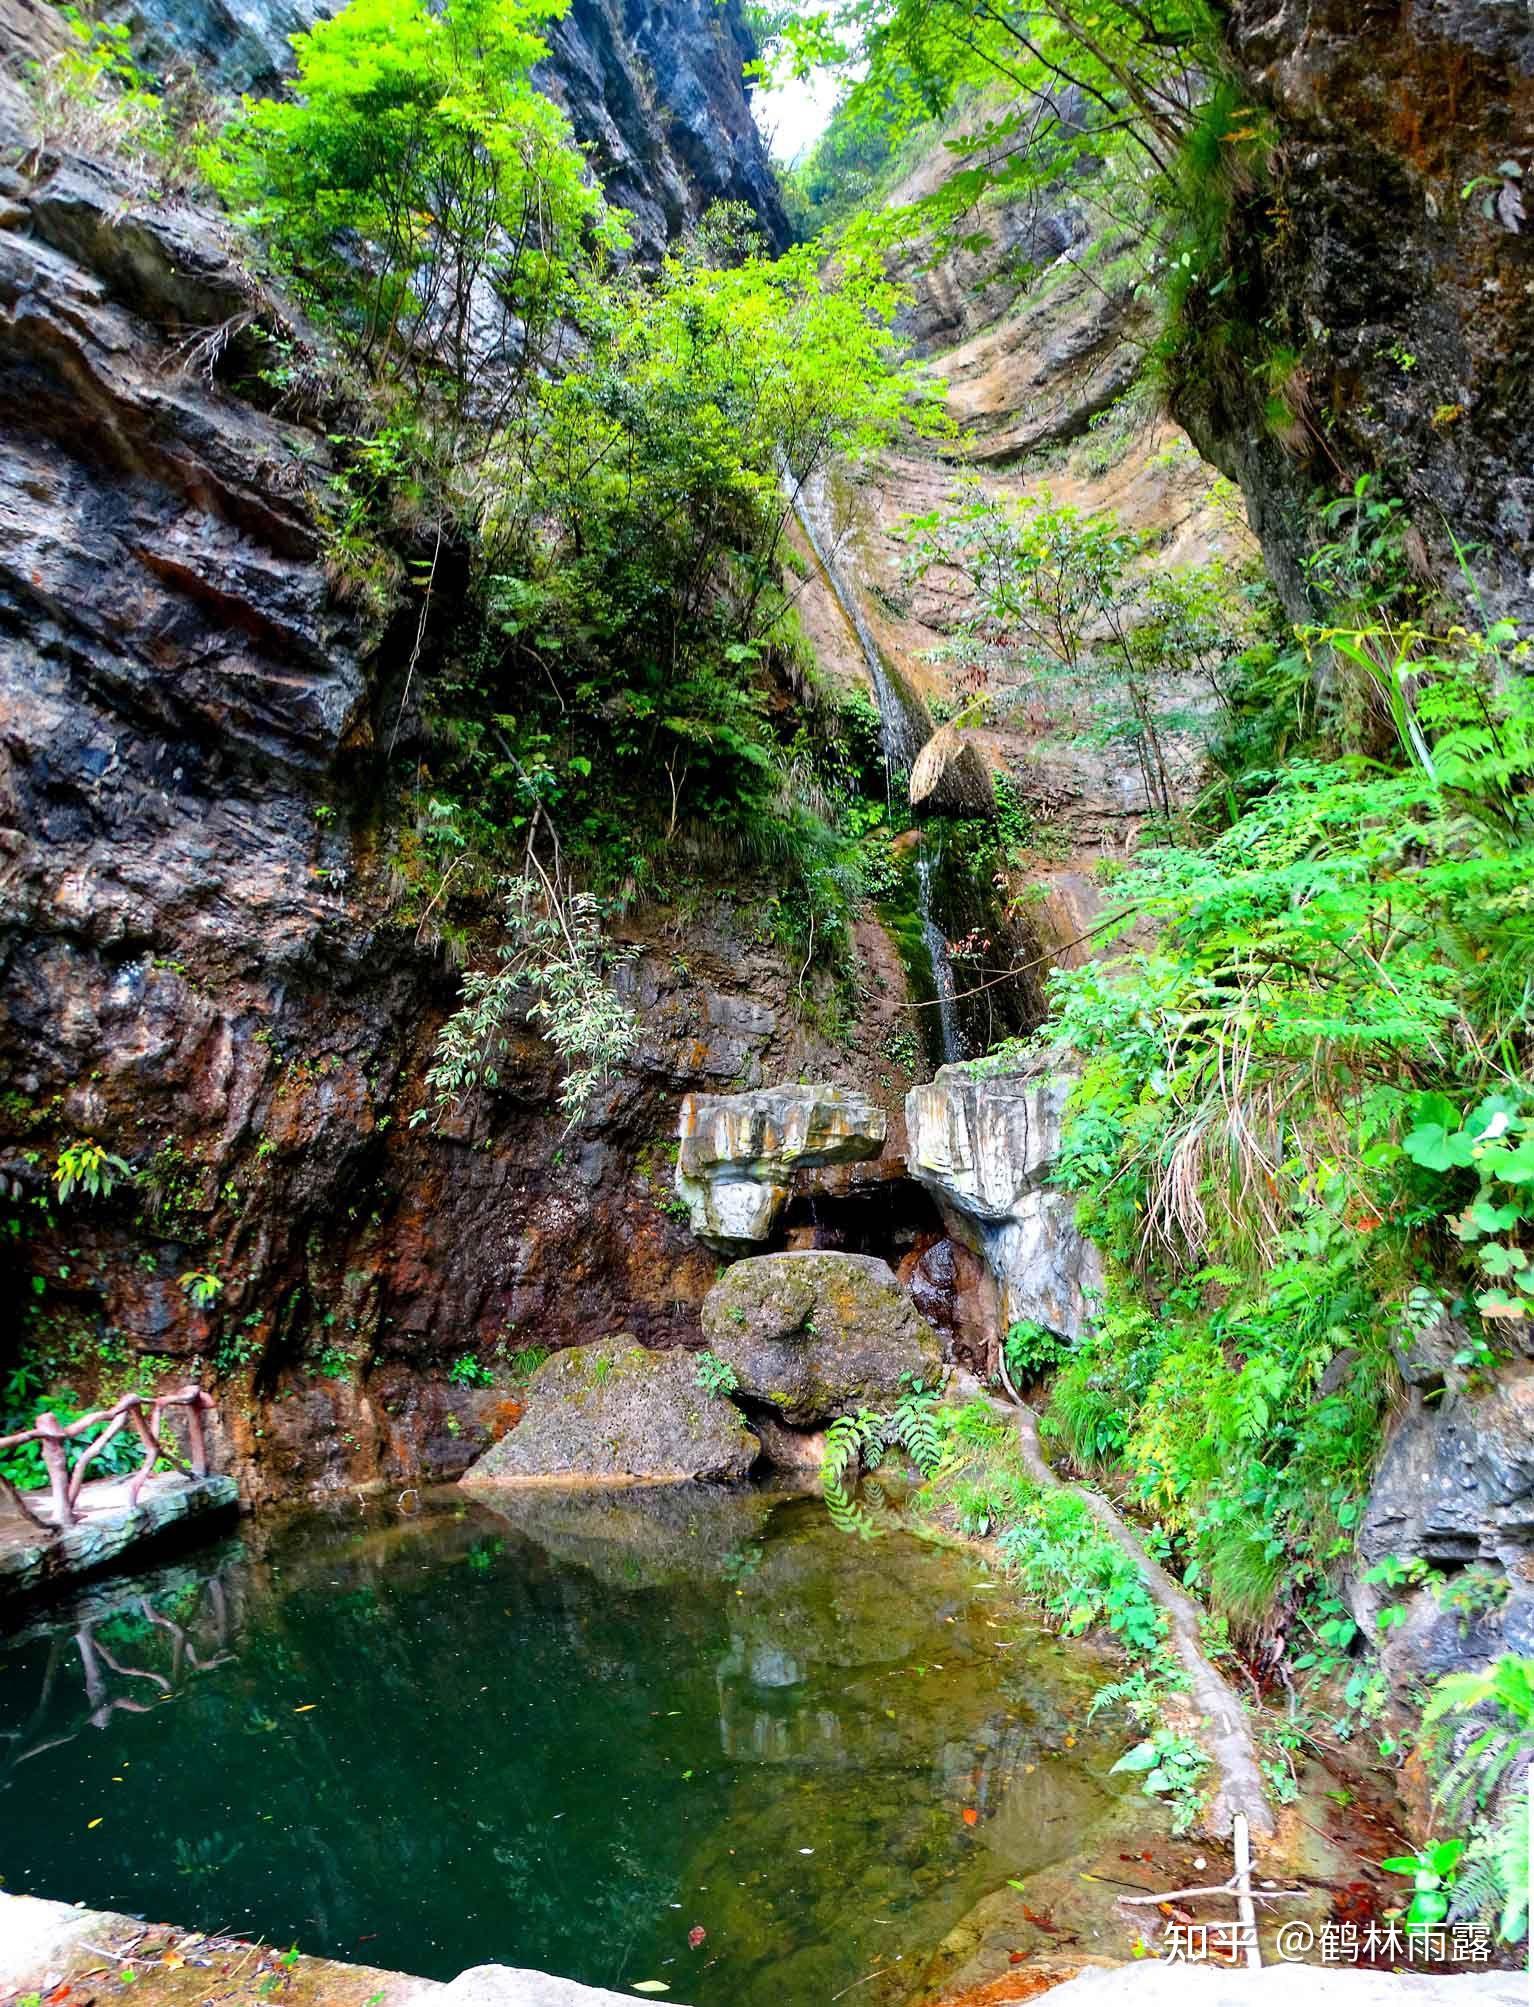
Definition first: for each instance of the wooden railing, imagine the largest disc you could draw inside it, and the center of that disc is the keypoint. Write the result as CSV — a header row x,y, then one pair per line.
x,y
65,1483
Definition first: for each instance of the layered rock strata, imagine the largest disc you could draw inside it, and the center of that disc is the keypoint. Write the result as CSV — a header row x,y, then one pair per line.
x,y
984,1143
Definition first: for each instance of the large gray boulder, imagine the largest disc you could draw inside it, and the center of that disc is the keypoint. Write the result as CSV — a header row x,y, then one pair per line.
x,y
612,1412
818,1334
983,1143
738,1153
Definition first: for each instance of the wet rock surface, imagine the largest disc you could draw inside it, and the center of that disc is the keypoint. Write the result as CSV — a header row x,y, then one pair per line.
x,y
612,1411
817,1335
205,964
984,1143
1455,1488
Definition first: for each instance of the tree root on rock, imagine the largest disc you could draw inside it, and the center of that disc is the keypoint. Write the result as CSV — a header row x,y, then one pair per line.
x,y
1226,1729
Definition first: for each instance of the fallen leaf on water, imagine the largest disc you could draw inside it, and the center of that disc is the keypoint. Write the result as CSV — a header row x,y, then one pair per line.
x,y
91,1825
696,1935
307,1708
651,1986
970,1816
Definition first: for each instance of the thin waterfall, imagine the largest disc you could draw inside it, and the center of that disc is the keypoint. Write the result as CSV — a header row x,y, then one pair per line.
x,y
950,1029
904,728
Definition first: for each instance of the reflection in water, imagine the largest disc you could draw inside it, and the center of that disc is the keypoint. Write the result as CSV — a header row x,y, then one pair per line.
x,y
161,1631
562,1731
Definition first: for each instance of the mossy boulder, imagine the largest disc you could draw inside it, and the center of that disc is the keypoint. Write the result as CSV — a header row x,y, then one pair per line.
x,y
818,1334
612,1412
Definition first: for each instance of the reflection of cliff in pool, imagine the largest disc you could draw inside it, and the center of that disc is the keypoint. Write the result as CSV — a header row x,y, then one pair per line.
x,y
560,1734
933,1749
825,1669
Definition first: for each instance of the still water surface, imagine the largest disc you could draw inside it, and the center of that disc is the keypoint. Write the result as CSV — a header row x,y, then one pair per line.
x,y
571,1732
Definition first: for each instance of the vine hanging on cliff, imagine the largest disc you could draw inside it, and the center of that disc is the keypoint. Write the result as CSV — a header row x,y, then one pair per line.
x,y
553,969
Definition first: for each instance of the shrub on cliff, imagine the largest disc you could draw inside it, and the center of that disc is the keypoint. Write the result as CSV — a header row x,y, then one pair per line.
x,y
1283,1115
418,186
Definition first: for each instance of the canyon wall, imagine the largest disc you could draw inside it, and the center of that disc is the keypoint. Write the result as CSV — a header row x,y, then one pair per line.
x,y
205,966
1373,312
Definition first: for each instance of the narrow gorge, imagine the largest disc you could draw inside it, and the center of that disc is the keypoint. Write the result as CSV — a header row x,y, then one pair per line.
x,y
768,1079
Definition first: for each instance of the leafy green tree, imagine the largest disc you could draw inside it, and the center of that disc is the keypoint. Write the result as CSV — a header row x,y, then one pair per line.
x,y
1055,589
633,534
1117,85
418,184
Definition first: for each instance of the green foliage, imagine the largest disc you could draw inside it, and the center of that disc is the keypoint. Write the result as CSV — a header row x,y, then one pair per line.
x,y
1064,595
92,97
1031,1350
1432,1874
715,1375
88,1167
1283,1121
24,1394
1169,1766
859,1442
845,168
467,1371
411,175
1479,1730
1083,1579
1494,1142
201,1288
554,969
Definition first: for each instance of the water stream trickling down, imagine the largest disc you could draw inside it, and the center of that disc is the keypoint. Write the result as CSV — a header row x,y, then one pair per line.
x,y
677,1735
904,729
950,1029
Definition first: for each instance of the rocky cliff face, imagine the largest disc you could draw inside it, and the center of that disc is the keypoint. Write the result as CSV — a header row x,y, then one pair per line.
x,y
653,92
1382,287
202,966
1040,362
984,1142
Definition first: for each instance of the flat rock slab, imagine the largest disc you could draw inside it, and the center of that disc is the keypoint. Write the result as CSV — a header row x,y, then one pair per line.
x,y
157,1965
109,1530
818,1334
1158,1982
109,1958
737,1153
613,1412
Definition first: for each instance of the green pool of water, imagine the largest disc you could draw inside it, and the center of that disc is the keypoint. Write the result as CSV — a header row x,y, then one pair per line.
x,y
681,1736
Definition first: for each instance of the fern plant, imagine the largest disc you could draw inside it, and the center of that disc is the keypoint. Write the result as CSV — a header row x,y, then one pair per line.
x,y
852,1442
857,1443
1492,1880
